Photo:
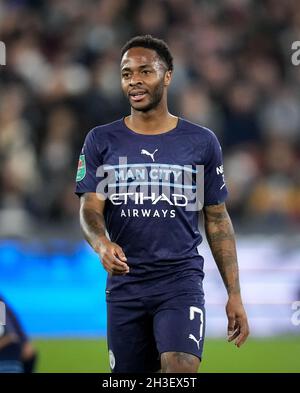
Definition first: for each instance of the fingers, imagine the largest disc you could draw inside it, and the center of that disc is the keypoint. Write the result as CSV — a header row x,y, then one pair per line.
x,y
114,266
113,260
240,333
243,334
238,328
231,326
234,334
120,260
120,254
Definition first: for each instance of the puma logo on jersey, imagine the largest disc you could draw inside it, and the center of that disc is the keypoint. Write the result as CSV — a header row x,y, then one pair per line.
x,y
192,337
145,152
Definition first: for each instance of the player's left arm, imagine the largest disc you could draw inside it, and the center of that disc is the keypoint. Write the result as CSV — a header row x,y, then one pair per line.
x,y
221,239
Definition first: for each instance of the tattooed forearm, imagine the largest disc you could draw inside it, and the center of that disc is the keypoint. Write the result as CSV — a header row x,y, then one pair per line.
x,y
220,236
92,221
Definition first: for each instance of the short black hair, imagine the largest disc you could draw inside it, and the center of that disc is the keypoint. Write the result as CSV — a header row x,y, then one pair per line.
x,y
149,42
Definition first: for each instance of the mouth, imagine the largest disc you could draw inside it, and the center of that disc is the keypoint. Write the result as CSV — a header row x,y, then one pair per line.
x,y
137,95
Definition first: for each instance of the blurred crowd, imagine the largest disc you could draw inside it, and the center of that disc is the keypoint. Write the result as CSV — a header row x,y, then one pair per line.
x,y
233,74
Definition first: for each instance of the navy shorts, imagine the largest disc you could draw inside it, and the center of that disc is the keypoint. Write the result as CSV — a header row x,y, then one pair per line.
x,y
10,359
140,330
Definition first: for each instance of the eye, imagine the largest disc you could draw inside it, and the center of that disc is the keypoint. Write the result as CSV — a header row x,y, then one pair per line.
x,y
125,75
146,72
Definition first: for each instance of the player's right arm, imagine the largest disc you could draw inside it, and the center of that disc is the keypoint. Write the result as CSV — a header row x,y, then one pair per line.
x,y
93,225
7,339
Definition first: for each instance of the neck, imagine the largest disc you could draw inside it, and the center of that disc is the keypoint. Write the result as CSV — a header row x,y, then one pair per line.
x,y
152,121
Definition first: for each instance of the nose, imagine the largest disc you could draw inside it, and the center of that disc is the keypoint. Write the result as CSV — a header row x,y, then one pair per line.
x,y
135,80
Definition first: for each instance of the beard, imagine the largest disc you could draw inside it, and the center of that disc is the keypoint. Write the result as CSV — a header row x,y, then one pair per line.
x,y
155,99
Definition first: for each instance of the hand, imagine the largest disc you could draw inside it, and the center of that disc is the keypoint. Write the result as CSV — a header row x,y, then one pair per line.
x,y
238,328
27,351
113,258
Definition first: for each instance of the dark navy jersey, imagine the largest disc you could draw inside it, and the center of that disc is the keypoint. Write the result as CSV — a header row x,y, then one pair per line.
x,y
13,325
154,186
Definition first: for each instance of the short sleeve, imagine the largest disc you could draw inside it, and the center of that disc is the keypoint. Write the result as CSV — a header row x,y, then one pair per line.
x,y
215,190
89,161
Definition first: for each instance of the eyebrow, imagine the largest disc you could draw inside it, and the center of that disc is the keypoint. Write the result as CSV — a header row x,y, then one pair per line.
x,y
140,67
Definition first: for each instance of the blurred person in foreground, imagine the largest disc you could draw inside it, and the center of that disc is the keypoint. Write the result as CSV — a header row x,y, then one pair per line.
x,y
17,354
155,299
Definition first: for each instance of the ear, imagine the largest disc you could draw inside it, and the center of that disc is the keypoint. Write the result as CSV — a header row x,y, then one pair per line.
x,y
167,78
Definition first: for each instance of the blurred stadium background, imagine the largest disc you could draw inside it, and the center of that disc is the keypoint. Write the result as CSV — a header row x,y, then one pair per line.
x,y
233,74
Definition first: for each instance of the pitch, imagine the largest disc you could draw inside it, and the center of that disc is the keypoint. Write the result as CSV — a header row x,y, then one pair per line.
x,y
273,355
